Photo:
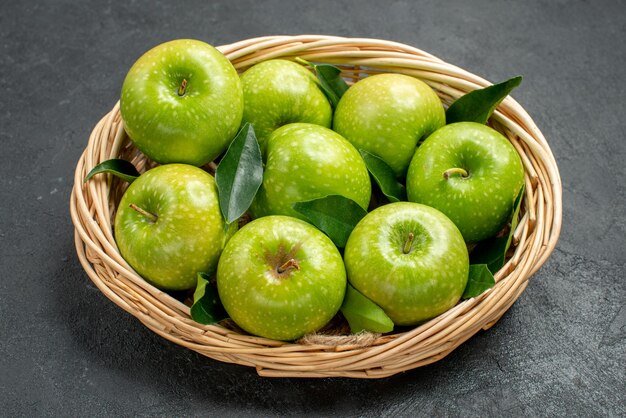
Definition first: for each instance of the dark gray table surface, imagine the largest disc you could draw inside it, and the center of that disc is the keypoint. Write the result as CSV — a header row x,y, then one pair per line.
x,y
66,350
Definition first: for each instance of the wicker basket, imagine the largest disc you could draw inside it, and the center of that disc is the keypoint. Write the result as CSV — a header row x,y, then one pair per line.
x,y
93,207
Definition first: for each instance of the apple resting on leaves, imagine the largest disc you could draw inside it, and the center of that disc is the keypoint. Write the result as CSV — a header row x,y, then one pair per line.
x,y
281,278
306,162
168,226
386,115
279,92
182,102
471,173
409,259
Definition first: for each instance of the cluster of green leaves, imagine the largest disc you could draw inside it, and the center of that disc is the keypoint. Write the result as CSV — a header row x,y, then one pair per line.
x,y
240,174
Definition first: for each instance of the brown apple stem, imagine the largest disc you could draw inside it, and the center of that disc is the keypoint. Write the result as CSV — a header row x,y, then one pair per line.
x,y
290,264
183,87
456,170
409,243
151,217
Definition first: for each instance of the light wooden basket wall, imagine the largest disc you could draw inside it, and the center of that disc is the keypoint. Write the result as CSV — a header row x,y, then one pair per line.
x,y
93,206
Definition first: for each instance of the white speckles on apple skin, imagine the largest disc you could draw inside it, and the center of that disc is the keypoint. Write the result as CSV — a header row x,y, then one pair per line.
x,y
480,204
411,287
387,114
280,308
194,128
189,234
279,92
305,162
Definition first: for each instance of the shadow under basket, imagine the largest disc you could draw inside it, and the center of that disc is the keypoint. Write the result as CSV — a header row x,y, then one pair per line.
x,y
93,206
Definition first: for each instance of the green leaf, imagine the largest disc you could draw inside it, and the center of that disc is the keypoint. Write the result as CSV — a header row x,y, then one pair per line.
x,y
239,174
207,308
490,252
384,176
334,215
118,167
478,105
331,82
493,250
363,314
479,280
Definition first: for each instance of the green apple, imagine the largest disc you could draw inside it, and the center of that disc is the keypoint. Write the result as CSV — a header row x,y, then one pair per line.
x,y
471,173
387,114
409,259
306,162
281,278
169,227
182,102
279,92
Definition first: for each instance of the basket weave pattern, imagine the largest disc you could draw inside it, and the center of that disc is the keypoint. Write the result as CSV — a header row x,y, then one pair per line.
x,y
93,207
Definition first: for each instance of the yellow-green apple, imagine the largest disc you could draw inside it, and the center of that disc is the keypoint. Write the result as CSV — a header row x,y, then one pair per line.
x,y
281,278
169,227
182,102
471,173
306,162
409,259
386,115
279,92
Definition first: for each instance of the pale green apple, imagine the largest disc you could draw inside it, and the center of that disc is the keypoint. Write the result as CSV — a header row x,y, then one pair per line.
x,y
281,278
471,173
279,92
169,227
182,102
306,162
387,114
409,259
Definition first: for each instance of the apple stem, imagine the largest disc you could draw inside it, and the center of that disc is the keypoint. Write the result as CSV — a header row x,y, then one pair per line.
x,y
456,170
152,217
290,264
409,243
183,87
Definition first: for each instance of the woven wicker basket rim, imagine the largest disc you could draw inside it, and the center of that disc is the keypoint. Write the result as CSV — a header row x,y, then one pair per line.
x,y
92,205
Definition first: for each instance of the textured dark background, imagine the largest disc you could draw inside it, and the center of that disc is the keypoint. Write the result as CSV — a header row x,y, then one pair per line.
x,y
65,350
